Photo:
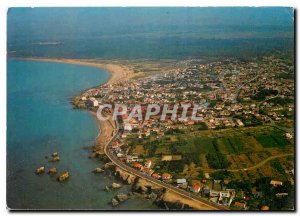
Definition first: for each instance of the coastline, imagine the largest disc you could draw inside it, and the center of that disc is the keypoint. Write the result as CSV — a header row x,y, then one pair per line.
x,y
117,73
106,128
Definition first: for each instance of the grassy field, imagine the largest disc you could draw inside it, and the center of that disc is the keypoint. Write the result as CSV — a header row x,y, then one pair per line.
x,y
235,148
272,140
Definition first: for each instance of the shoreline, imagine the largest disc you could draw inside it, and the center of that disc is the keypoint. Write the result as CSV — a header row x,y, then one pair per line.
x,y
116,72
106,128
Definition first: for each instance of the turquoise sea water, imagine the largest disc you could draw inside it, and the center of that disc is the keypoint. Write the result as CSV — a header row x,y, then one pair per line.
x,y
40,120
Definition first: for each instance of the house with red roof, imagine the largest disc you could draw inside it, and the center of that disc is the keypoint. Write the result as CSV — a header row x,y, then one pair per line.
x,y
196,188
166,176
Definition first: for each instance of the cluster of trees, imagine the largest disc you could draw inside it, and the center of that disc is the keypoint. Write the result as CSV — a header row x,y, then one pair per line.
x,y
263,93
170,166
202,126
281,101
277,165
268,192
216,159
172,131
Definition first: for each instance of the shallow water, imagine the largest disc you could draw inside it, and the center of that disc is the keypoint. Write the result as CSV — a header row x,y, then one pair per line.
x,y
40,120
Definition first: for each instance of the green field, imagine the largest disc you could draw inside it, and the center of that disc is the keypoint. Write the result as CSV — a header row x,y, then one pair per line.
x,y
272,140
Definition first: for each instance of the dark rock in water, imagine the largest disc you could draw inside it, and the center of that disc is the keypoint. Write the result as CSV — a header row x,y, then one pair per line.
x,y
98,170
122,197
108,165
63,176
106,188
129,178
114,202
115,185
40,170
55,154
55,159
93,155
52,171
46,157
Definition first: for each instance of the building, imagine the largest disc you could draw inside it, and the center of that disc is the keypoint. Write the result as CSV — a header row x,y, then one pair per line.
x,y
181,182
166,176
120,155
147,171
156,176
137,166
240,205
214,193
205,190
276,183
148,164
128,127
131,158
195,188
115,145
265,208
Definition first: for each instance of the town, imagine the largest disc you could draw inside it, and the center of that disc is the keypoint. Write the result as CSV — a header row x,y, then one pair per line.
x,y
244,127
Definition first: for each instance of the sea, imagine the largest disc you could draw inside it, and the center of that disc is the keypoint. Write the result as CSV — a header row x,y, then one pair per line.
x,y
40,121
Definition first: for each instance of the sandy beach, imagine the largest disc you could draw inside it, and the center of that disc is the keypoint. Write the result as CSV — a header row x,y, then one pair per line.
x,y
172,197
106,129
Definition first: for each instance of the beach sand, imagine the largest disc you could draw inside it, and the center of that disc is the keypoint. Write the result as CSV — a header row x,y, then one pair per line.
x,y
172,197
106,129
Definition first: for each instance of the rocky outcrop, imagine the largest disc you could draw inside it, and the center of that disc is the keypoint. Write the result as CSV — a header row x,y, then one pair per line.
x,y
115,185
122,197
114,202
52,171
108,165
98,170
106,188
143,185
125,176
63,176
40,170
55,159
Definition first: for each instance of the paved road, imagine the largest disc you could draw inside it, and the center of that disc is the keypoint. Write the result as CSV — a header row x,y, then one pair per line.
x,y
252,167
117,162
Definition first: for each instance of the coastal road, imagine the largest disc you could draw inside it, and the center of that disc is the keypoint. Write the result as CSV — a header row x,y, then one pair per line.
x,y
117,162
